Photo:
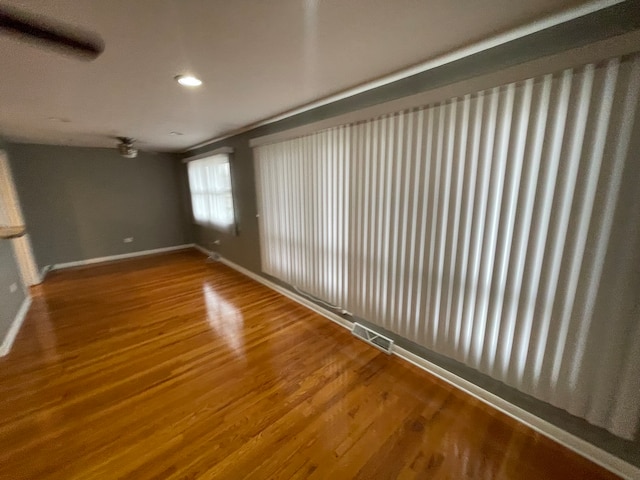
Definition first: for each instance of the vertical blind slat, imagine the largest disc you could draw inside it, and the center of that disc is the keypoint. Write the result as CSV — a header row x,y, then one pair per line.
x,y
487,228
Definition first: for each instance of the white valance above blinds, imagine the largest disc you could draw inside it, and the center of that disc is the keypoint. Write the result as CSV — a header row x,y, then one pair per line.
x,y
501,229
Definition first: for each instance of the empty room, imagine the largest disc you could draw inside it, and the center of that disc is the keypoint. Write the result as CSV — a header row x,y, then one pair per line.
x,y
320,239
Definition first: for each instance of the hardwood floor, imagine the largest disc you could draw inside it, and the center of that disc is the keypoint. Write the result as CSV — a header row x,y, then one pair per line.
x,y
170,367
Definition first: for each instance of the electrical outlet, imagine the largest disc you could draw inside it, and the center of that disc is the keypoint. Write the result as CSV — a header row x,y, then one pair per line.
x,y
128,240
13,288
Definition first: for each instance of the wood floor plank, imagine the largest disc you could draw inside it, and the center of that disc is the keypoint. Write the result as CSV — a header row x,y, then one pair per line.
x,y
169,367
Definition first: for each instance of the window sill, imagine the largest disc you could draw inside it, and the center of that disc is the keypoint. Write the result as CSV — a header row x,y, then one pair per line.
x,y
230,230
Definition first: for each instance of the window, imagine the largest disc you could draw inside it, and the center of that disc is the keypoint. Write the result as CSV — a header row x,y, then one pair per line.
x,y
211,195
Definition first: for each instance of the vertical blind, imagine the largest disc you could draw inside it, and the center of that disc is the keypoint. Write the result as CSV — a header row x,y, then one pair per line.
x,y
501,229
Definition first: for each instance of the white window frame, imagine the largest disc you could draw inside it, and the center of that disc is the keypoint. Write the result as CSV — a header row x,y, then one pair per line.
x,y
204,179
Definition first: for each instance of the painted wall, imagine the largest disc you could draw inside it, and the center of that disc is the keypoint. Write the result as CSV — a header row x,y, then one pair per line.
x,y
80,203
243,249
10,302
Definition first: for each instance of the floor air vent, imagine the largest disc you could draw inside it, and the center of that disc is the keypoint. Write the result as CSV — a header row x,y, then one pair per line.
x,y
383,343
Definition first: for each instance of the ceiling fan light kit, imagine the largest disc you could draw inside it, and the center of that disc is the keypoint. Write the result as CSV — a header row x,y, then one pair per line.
x,y
126,148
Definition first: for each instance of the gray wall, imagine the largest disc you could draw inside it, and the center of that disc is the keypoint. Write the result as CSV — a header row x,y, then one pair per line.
x,y
9,274
80,203
244,249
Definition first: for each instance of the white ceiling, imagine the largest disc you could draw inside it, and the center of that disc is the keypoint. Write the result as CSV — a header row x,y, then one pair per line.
x,y
257,58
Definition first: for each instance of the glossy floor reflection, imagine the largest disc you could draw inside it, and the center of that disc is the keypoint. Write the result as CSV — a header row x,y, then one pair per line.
x,y
171,367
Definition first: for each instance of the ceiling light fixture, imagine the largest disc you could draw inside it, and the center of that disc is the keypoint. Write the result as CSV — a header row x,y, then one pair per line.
x,y
188,80
126,148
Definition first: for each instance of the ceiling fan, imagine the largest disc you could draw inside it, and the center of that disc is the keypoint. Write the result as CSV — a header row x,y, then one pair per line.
x,y
126,147
129,147
49,33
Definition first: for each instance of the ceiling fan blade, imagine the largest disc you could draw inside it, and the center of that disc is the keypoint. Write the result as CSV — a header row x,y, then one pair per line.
x,y
84,44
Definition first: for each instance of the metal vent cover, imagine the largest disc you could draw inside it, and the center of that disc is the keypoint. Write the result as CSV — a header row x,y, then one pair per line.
x,y
379,341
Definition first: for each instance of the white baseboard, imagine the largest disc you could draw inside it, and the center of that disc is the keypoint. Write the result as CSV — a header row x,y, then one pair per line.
x,y
203,250
11,335
122,256
576,444
343,322
43,272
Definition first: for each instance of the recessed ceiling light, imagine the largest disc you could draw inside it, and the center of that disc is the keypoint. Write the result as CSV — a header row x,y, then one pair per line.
x,y
188,81
175,133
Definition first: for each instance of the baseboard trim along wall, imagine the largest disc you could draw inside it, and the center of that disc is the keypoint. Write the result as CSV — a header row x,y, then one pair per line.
x,y
11,335
122,256
572,442
43,272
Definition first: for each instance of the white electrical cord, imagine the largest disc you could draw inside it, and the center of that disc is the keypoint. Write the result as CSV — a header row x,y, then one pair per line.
x,y
321,302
